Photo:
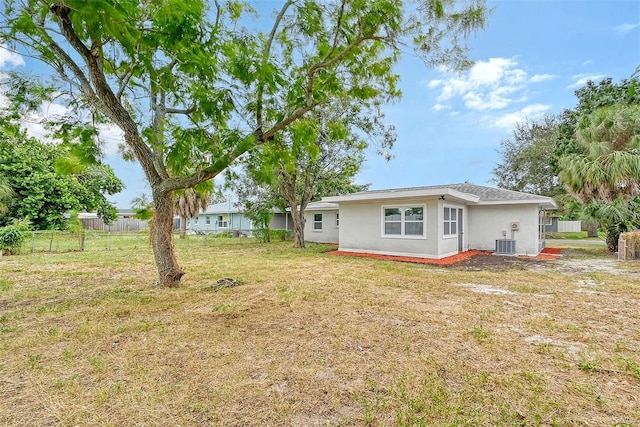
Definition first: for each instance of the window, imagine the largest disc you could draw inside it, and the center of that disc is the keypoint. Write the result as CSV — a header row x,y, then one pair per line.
x,y
405,221
208,220
222,223
337,220
317,222
450,225
546,220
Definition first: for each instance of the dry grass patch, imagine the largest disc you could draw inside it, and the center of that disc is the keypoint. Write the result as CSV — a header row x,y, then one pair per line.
x,y
312,339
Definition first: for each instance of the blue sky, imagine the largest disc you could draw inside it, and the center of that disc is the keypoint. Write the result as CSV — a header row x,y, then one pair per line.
x,y
530,59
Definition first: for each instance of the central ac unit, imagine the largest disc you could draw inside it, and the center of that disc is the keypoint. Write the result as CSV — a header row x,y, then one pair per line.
x,y
505,247
515,225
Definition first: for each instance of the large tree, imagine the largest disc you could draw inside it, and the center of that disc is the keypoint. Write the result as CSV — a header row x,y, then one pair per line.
x,y
591,97
189,86
604,166
316,157
525,158
43,195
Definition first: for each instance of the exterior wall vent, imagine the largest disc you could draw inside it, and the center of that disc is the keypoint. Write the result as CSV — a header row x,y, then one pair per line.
x,y
505,247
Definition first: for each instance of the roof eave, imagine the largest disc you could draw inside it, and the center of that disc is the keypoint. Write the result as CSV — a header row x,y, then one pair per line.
x,y
405,194
542,203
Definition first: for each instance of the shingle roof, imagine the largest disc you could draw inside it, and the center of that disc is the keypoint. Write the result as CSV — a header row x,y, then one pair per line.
x,y
488,195
492,194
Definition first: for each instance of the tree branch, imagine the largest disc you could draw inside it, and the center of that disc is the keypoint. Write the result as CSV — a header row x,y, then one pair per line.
x,y
111,106
265,58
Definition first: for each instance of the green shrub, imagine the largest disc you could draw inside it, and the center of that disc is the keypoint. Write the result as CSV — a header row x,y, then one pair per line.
x,y
226,233
12,236
281,234
263,234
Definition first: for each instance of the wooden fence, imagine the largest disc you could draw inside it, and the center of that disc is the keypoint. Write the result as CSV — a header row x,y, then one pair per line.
x,y
122,224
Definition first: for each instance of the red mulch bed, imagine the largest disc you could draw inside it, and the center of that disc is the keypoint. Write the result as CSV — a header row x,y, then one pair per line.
x,y
442,261
554,251
547,253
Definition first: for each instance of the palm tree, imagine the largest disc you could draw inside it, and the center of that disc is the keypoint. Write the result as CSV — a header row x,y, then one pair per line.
x,y
607,168
189,201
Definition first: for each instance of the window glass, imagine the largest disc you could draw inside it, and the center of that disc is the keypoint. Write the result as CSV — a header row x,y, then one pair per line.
x,y
404,221
413,228
413,214
317,221
450,222
392,214
392,228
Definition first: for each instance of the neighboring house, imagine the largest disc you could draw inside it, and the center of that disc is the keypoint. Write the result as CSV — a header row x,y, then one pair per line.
x,y
322,222
226,216
431,222
553,224
549,222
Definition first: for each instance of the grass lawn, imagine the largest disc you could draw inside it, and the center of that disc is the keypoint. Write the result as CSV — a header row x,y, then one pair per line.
x,y
312,339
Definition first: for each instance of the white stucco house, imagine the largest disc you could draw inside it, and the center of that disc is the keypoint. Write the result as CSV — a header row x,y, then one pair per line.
x,y
431,222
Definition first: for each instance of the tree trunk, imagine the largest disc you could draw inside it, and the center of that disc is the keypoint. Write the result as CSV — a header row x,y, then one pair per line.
x,y
612,239
169,271
298,227
183,226
592,228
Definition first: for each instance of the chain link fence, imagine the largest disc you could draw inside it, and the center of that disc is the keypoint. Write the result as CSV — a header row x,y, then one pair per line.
x,y
85,240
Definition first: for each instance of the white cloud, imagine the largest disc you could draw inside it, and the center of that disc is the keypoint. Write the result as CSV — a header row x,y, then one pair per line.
x,y
488,85
582,79
109,135
626,28
9,57
508,121
541,78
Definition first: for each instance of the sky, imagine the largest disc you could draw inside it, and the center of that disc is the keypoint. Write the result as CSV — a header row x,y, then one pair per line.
x,y
529,60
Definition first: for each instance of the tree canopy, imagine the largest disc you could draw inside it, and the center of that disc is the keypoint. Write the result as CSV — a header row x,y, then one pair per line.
x,y
41,194
592,151
193,84
525,155
316,157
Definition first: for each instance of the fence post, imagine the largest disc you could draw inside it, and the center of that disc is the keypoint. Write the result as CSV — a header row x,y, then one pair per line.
x,y
109,239
82,237
622,249
33,242
51,242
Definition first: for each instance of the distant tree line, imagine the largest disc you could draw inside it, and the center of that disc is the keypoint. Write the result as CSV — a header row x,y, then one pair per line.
x,y
587,158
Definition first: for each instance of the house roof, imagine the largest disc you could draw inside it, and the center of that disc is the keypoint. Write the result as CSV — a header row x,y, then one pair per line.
x,y
222,207
228,207
465,193
322,206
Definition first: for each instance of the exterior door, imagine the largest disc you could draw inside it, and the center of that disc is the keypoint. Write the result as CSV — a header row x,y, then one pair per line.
x,y
460,231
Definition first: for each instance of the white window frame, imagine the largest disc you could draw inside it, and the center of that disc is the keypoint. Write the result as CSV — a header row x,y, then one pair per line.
x,y
402,234
208,220
337,219
450,221
317,222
